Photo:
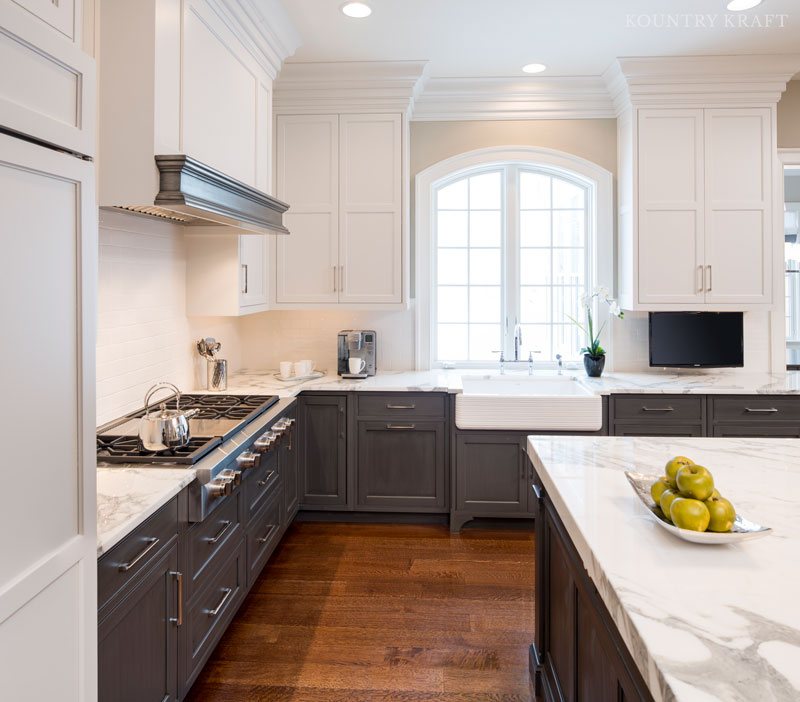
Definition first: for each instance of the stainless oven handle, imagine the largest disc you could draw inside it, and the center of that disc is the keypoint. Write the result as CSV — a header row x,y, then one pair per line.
x,y
215,612
152,541
225,526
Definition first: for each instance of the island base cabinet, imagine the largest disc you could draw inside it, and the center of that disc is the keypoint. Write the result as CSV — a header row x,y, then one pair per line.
x,y
578,655
138,640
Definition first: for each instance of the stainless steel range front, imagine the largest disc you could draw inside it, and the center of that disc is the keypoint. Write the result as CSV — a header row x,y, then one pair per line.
x,y
230,434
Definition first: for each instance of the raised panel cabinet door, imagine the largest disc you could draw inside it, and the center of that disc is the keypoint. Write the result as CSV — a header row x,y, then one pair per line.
x,y
307,177
138,641
253,270
50,92
48,569
401,465
738,238
490,474
287,460
670,252
594,656
322,431
654,429
370,214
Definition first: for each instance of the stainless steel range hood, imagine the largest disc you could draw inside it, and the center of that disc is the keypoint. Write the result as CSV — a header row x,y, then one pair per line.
x,y
193,193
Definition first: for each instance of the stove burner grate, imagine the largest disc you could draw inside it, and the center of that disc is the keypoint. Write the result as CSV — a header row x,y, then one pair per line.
x,y
127,449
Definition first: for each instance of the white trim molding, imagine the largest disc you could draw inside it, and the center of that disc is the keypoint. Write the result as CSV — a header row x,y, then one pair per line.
x,y
707,81
349,86
447,99
601,206
786,157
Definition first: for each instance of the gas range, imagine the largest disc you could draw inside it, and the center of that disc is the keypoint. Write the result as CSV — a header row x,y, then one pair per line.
x,y
229,435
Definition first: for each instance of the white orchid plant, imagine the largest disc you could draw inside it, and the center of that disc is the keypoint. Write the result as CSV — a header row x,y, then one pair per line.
x,y
602,293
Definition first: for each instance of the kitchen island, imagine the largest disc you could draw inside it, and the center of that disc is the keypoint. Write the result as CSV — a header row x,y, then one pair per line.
x,y
636,613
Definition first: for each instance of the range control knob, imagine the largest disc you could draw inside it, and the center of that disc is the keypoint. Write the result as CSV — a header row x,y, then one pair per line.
x,y
220,487
280,427
234,476
248,460
265,442
288,421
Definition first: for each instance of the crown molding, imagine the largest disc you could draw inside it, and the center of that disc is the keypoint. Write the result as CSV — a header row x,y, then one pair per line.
x,y
446,99
349,86
700,80
263,27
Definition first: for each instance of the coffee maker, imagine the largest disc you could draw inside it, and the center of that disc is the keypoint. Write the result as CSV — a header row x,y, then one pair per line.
x,y
357,343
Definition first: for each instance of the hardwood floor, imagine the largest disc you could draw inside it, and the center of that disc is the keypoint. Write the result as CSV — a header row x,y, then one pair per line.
x,y
376,612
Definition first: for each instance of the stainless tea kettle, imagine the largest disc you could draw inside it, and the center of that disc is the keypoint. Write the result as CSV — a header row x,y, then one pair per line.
x,y
167,428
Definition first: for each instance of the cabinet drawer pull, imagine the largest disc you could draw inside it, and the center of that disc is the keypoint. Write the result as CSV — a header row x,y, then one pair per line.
x,y
401,426
657,409
262,483
178,621
264,539
152,541
226,524
702,284
333,270
757,409
215,612
401,406
537,491
244,283
708,289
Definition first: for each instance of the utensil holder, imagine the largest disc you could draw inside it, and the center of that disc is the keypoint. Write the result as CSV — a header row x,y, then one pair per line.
x,y
217,375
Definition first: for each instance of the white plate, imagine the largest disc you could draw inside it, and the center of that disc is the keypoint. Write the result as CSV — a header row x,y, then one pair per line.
x,y
742,530
299,378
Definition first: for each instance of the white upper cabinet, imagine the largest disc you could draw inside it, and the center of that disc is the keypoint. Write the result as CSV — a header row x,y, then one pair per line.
x,y
52,81
342,175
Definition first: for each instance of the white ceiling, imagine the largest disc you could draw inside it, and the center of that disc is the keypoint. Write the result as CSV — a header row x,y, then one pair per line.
x,y
470,38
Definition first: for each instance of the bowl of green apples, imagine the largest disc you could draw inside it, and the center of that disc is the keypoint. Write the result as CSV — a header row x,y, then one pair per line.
x,y
685,501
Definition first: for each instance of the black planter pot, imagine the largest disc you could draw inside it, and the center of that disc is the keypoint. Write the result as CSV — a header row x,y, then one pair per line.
x,y
594,365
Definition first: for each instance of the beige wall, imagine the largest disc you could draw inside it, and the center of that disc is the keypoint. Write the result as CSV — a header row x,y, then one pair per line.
x,y
789,117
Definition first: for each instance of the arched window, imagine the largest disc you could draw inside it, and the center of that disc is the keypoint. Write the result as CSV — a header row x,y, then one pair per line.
x,y
512,246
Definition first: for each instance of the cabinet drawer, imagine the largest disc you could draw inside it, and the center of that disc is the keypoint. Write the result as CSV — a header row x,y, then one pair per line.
x,y
659,409
209,613
755,408
135,552
260,483
210,541
262,537
401,405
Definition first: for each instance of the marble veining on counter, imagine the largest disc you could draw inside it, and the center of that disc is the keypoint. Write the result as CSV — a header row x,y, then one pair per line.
x,y
703,623
128,496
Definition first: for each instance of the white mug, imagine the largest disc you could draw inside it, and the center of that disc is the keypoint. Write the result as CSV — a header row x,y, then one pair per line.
x,y
286,369
303,368
356,365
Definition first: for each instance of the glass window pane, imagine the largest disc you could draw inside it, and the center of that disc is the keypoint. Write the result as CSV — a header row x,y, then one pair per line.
x,y
485,192
484,267
568,228
452,229
566,301
452,342
566,194
453,197
483,339
568,340
452,266
568,266
484,304
534,267
534,228
484,228
534,191
534,304
536,337
452,304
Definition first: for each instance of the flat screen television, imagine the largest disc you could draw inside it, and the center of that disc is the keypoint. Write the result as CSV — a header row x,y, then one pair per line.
x,y
697,339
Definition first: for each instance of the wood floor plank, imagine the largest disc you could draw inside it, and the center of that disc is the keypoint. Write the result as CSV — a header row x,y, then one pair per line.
x,y
382,613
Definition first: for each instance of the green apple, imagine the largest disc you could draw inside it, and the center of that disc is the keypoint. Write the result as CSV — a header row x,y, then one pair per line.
x,y
673,466
667,498
658,488
695,482
722,513
687,513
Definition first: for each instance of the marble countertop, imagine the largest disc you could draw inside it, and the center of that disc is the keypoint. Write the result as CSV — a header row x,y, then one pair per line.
x,y
703,623
440,380
128,496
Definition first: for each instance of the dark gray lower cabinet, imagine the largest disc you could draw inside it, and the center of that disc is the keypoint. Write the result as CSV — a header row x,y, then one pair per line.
x,y
658,430
138,639
401,466
578,654
288,465
322,429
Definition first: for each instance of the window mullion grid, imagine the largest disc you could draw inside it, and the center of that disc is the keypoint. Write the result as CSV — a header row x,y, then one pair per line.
x,y
511,258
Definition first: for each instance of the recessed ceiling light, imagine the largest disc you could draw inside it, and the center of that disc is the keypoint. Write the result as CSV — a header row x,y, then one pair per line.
x,y
534,68
741,5
357,9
